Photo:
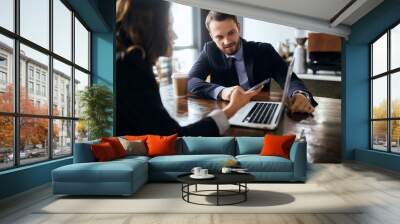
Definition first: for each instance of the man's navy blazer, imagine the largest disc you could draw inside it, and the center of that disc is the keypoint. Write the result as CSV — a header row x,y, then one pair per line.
x,y
261,62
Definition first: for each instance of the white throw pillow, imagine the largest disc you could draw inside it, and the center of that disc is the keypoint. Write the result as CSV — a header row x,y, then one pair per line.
x,y
135,147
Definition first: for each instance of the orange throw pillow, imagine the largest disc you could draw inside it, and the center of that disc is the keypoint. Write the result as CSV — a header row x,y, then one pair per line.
x,y
275,145
116,145
103,151
161,145
134,138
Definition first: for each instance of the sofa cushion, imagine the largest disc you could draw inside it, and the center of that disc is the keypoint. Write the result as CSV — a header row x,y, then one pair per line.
x,y
249,145
206,145
185,163
161,145
103,152
276,145
133,147
112,171
116,145
83,152
135,137
257,163
131,158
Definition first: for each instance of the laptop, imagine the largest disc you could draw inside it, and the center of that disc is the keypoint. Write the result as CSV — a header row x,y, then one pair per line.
x,y
263,114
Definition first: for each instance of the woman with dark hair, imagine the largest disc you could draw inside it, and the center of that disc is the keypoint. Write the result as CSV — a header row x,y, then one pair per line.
x,y
144,33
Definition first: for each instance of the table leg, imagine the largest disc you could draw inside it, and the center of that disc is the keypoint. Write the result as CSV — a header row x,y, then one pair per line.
x,y
182,190
188,190
217,194
245,191
196,188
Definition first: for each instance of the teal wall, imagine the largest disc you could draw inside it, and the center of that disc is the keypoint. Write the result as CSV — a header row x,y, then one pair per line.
x,y
99,16
91,11
380,159
103,59
355,114
24,178
103,54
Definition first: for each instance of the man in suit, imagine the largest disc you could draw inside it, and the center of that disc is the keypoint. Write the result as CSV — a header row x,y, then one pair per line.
x,y
233,62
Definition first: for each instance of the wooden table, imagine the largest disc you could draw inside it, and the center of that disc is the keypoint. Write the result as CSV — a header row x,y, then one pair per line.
x,y
322,129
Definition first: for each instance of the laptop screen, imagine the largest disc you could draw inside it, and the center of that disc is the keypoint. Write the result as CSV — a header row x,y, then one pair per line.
x,y
287,82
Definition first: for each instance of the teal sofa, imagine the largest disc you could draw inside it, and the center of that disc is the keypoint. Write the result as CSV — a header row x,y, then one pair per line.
x,y
125,176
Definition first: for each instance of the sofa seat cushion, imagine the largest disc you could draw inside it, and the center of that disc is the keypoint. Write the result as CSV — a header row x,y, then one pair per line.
x,y
257,163
133,157
112,171
185,163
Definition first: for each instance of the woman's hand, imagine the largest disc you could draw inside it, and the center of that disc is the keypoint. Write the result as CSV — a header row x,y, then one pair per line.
x,y
238,99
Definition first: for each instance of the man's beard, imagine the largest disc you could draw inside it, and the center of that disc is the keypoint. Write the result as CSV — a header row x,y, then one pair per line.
x,y
231,48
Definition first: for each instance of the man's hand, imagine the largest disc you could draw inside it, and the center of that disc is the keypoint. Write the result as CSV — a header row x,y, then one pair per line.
x,y
238,98
300,103
227,92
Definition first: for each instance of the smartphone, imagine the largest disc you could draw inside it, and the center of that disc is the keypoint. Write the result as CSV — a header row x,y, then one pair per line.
x,y
258,85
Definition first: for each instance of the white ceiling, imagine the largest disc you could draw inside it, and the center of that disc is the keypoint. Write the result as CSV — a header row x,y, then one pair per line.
x,y
314,15
321,9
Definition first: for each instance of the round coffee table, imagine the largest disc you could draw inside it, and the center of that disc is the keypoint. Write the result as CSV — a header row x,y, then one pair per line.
x,y
238,179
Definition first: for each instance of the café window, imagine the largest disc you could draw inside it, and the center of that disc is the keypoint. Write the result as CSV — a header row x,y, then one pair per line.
x,y
185,48
384,92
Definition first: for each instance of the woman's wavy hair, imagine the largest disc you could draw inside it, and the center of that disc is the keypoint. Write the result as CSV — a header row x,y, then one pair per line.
x,y
144,25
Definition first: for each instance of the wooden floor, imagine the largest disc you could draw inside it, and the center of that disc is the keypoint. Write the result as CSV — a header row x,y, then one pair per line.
x,y
378,189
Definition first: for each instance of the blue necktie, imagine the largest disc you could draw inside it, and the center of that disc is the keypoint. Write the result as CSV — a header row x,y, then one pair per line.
x,y
233,76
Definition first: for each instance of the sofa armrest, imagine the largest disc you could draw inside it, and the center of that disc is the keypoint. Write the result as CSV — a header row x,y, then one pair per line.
x,y
298,155
83,152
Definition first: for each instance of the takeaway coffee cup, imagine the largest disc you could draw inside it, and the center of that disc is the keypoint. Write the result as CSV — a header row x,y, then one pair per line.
x,y
179,83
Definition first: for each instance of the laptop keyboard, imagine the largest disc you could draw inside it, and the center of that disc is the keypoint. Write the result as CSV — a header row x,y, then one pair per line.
x,y
261,113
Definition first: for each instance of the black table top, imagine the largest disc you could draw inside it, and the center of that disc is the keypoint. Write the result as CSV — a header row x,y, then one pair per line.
x,y
220,178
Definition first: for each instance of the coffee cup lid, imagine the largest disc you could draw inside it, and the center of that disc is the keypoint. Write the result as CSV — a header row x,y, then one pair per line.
x,y
179,75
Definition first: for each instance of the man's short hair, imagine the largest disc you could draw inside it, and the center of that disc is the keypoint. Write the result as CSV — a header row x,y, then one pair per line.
x,y
218,16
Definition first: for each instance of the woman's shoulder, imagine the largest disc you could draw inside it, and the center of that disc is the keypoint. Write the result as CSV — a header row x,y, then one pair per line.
x,y
132,61
132,58
133,71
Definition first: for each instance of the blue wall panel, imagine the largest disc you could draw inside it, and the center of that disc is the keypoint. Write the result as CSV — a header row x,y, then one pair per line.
x,y
103,50
91,14
377,158
103,61
24,178
356,99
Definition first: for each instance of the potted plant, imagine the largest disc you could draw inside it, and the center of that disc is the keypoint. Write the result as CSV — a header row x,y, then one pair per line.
x,y
96,103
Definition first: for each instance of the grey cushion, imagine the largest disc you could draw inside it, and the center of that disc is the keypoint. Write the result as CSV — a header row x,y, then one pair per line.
x,y
133,147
